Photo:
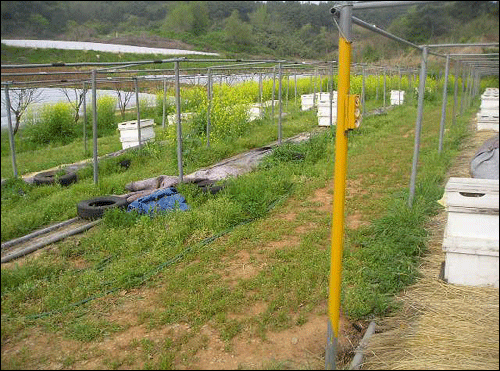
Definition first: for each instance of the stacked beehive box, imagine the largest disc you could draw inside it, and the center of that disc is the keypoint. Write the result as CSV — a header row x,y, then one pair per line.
x,y
129,136
471,233
324,104
309,101
487,117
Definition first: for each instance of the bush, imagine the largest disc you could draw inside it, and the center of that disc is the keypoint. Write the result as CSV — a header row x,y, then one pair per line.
x,y
56,125
106,119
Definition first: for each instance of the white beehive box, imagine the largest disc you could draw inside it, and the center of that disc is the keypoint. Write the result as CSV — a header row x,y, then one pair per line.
x,y
489,103
255,111
487,117
397,97
307,101
471,235
129,136
326,96
487,121
324,113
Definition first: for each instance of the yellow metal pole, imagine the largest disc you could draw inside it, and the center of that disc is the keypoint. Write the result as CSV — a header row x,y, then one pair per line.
x,y
337,230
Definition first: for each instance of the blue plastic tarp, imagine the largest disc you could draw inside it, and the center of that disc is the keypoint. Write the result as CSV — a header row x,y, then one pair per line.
x,y
163,200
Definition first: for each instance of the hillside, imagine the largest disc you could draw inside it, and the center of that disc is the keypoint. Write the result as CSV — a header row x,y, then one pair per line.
x,y
272,29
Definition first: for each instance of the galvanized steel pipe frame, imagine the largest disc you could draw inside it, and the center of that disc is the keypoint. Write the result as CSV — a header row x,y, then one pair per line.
x,y
55,238
209,106
12,143
418,126
179,126
443,109
280,77
94,125
37,233
337,229
137,107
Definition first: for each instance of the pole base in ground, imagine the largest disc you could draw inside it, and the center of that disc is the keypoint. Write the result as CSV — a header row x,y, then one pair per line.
x,y
331,349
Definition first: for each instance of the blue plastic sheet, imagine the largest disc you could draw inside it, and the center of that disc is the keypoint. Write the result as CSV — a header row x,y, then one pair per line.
x,y
163,200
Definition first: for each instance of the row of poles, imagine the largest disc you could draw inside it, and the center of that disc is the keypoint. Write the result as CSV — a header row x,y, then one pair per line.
x,y
471,69
277,74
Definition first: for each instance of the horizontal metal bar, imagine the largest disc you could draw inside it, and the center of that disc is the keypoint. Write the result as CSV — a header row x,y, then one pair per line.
x,y
118,64
375,29
473,55
54,238
458,45
38,233
385,4
88,64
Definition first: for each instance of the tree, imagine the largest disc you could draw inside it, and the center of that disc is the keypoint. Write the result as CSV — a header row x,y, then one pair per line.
x,y
420,24
260,18
75,103
189,17
237,31
123,98
20,100
201,20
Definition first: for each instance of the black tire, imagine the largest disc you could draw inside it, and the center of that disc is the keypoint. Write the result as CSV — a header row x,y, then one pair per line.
x,y
49,177
95,207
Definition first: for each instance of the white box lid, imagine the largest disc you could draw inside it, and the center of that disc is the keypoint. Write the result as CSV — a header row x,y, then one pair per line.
x,y
472,195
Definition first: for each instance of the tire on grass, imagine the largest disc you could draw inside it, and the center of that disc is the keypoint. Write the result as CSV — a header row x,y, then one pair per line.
x,y
49,177
95,207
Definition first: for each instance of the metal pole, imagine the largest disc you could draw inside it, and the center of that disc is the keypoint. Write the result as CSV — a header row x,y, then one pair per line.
x,y
164,102
443,109
399,86
85,118
11,133
363,91
295,78
471,93
469,87
345,40
383,4
384,86
331,97
376,88
455,91
179,129
462,93
320,82
273,93
418,125
280,103
314,91
209,108
260,90
94,124
287,89
138,111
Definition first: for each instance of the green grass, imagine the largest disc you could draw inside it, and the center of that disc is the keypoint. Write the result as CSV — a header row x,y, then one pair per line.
x,y
190,253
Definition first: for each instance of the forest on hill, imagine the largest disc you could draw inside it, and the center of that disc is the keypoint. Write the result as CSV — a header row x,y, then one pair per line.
x,y
279,29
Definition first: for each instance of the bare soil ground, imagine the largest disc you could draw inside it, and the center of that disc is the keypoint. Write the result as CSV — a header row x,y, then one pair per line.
x,y
299,347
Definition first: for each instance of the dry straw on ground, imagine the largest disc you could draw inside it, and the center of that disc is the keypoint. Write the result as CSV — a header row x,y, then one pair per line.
x,y
440,325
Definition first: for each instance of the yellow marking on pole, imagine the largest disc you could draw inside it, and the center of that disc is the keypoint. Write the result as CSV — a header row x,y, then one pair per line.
x,y
337,230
